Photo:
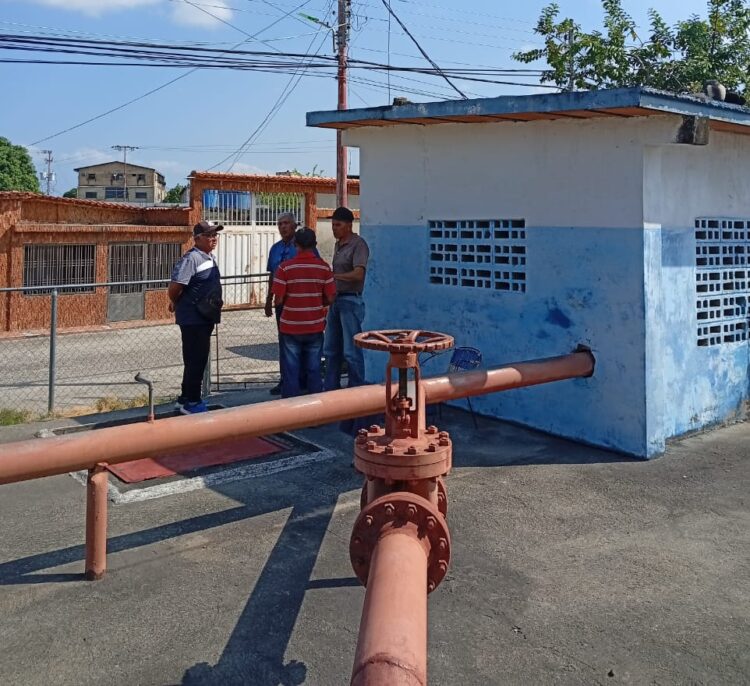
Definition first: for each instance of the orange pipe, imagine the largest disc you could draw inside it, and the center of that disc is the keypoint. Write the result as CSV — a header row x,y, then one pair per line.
x,y
392,645
96,522
45,457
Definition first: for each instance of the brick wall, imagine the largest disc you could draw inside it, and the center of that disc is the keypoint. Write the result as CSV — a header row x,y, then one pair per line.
x,y
30,219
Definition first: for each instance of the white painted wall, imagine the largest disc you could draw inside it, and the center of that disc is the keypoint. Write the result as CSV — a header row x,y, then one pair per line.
x,y
584,173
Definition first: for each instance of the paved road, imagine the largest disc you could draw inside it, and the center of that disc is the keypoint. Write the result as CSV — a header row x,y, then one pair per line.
x,y
101,365
569,566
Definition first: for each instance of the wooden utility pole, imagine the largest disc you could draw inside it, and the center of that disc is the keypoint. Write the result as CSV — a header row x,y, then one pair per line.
x,y
342,154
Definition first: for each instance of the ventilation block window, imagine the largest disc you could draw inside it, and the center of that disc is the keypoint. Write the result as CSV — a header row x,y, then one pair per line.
x,y
722,247
479,253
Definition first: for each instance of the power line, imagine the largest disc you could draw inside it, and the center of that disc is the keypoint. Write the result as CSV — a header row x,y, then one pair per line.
x,y
419,47
162,86
288,90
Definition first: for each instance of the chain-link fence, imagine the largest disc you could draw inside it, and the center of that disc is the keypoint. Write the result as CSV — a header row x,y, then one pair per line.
x,y
73,371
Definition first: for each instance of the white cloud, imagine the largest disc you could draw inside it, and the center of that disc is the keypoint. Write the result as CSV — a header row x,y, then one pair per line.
x,y
95,7
202,13
205,15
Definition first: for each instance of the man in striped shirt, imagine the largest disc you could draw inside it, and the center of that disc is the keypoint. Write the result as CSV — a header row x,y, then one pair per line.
x,y
303,287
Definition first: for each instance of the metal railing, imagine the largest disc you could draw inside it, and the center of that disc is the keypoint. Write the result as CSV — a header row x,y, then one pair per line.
x,y
81,369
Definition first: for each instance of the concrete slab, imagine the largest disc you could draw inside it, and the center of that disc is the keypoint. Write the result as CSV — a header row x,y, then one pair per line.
x,y
570,565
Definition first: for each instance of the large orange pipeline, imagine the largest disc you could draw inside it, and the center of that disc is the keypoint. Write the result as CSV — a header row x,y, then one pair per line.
x,y
37,458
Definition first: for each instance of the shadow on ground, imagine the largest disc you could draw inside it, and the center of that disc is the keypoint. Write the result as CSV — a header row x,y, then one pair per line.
x,y
255,651
268,352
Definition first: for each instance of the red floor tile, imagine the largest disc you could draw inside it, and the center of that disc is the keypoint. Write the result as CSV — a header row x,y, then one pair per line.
x,y
206,456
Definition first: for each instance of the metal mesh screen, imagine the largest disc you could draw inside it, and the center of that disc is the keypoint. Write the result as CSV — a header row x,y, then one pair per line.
x,y
56,265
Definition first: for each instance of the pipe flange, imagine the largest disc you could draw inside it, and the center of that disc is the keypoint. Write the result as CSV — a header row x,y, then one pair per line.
x,y
442,497
414,514
379,456
404,341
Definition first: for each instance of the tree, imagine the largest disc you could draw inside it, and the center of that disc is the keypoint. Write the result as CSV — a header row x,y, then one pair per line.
x,y
174,195
680,58
314,173
17,171
72,193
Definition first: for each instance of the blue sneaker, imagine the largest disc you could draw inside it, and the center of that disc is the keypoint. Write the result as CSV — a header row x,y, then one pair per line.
x,y
194,408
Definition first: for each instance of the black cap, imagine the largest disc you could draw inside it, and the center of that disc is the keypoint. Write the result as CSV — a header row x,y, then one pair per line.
x,y
343,214
206,227
305,238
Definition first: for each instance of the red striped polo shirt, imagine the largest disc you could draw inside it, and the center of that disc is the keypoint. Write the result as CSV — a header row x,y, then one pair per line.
x,y
301,283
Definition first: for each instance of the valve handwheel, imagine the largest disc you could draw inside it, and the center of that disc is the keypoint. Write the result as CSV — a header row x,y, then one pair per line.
x,y
404,341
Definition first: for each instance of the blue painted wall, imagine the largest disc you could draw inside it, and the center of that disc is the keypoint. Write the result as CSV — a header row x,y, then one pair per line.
x,y
700,386
585,285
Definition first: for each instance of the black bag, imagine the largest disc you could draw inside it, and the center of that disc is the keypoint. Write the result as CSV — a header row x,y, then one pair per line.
x,y
209,305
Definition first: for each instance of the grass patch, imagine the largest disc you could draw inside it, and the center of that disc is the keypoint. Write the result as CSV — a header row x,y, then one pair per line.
x,y
12,417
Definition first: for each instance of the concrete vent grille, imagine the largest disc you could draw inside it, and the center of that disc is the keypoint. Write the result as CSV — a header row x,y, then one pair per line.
x,y
722,252
479,253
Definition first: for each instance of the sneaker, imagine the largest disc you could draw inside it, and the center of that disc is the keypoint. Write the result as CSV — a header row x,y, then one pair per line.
x,y
194,408
179,404
276,390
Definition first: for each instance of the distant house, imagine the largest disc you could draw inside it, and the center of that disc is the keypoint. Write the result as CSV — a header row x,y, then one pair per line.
x,y
120,182
526,225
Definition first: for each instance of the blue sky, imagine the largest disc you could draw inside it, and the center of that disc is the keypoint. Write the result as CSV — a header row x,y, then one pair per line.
x,y
199,120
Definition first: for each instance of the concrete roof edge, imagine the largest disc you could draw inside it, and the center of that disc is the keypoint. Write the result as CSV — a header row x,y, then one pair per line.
x,y
668,103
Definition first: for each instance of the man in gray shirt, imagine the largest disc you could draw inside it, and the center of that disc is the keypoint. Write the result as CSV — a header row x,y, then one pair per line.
x,y
347,312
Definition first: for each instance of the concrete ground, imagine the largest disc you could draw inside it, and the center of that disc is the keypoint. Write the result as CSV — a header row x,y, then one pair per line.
x,y
571,565
99,366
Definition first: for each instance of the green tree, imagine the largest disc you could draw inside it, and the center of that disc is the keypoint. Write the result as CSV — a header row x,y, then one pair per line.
x,y
174,194
72,193
17,171
680,58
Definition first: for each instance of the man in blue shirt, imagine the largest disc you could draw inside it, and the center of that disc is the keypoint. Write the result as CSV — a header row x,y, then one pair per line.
x,y
281,251
196,279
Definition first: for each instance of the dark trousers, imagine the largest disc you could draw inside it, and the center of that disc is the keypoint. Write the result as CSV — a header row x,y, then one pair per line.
x,y
196,345
300,361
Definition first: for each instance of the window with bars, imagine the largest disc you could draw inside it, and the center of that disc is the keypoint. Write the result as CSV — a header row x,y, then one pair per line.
x,y
233,208
229,208
268,207
160,260
59,265
479,253
722,252
137,262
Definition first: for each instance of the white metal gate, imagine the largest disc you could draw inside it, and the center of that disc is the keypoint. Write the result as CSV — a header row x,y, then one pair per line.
x,y
250,231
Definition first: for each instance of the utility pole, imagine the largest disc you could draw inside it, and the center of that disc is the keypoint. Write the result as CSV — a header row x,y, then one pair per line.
x,y
48,176
342,154
124,149
571,62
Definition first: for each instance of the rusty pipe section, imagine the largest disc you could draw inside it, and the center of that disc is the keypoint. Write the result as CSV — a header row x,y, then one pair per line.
x,y
36,458
394,615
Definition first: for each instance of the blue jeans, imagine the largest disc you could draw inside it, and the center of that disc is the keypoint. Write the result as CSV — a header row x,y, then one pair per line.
x,y
300,359
345,318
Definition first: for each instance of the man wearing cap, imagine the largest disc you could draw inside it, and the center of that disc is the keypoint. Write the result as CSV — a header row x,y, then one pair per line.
x,y
195,298
302,287
345,316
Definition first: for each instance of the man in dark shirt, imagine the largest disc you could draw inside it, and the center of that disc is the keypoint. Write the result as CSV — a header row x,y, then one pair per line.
x,y
348,310
195,277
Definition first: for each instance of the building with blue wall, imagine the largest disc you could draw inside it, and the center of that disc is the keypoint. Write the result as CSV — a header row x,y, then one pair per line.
x,y
528,225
